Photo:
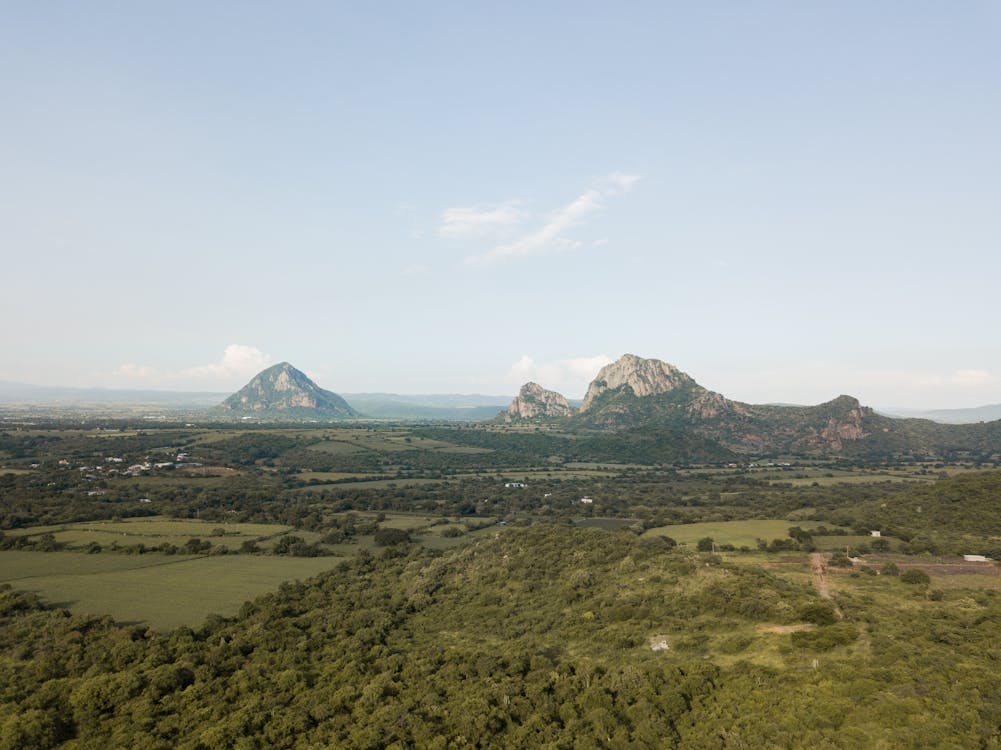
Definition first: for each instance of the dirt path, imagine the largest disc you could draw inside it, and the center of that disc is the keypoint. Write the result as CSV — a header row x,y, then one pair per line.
x,y
820,580
819,574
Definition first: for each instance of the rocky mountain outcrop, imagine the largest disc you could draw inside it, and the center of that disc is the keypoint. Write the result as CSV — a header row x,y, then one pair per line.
x,y
848,425
643,377
648,394
535,402
283,392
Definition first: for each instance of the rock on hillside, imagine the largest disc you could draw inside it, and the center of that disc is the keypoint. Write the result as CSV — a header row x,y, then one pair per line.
x,y
283,392
647,393
535,402
643,377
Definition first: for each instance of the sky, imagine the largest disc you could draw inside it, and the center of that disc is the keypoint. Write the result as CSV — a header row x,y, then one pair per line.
x,y
787,200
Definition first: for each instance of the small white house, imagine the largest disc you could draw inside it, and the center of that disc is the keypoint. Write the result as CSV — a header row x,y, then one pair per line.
x,y
515,485
875,533
586,501
976,558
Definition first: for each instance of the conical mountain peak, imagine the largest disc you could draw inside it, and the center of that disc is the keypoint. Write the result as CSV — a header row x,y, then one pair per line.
x,y
284,392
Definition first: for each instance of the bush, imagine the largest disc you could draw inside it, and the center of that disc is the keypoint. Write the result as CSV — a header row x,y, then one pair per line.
x,y
819,613
824,639
915,576
840,560
388,537
656,541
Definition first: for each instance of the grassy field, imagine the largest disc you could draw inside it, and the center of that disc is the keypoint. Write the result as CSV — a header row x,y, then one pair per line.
x,y
825,481
329,476
337,447
162,591
387,441
175,478
833,543
154,531
737,533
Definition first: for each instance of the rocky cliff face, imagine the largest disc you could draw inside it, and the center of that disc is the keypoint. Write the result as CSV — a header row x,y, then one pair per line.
x,y
847,426
283,391
644,377
535,402
634,392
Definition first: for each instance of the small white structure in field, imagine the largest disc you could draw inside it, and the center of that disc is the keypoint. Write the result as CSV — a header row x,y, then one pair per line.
x,y
875,533
586,501
515,484
657,645
976,558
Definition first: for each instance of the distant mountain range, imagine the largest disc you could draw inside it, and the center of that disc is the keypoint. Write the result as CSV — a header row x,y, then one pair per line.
x,y
446,406
472,407
24,393
653,400
628,394
973,415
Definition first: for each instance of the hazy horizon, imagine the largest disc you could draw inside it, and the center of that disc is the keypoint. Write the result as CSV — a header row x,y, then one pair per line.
x,y
787,202
498,397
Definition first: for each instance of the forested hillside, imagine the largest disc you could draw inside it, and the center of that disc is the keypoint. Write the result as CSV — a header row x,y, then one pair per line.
x,y
544,637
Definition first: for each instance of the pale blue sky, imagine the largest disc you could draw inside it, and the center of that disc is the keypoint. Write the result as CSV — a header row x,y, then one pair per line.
x,y
786,200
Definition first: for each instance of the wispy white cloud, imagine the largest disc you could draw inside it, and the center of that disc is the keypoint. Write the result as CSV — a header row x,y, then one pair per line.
x,y
237,364
551,236
618,182
568,376
238,361
135,372
479,222
972,378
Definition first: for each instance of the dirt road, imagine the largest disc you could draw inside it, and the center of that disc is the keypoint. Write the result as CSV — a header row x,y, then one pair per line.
x,y
819,574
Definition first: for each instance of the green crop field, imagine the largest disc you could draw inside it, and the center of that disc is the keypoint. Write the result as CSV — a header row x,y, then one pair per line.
x,y
329,476
163,591
337,447
154,531
737,533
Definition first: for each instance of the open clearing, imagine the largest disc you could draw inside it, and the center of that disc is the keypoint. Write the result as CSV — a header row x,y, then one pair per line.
x,y
155,530
329,476
737,533
160,590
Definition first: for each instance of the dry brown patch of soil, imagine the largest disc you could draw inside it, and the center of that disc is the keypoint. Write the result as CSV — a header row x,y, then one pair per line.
x,y
783,629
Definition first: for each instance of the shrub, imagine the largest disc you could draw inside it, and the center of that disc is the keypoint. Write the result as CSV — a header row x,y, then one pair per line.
x,y
819,613
915,576
388,537
840,560
824,639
